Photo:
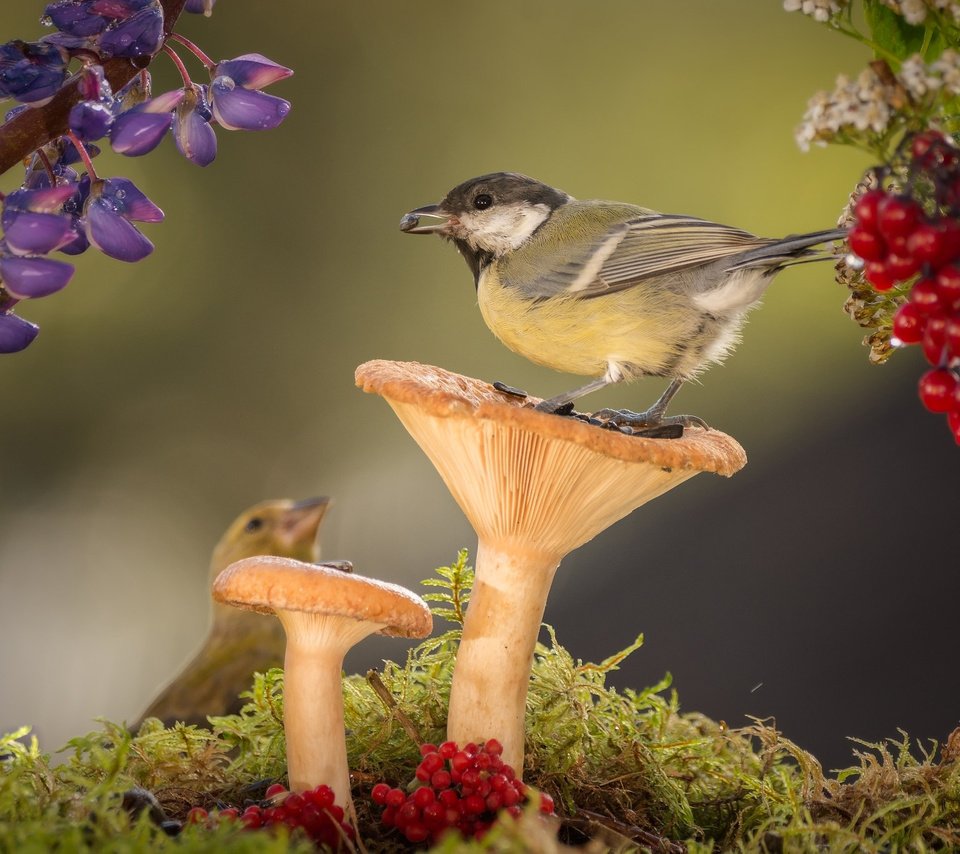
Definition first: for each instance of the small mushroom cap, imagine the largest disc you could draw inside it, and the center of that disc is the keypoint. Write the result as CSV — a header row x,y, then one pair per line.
x,y
444,394
269,584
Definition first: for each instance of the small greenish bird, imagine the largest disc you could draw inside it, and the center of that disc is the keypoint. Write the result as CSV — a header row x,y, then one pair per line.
x,y
606,289
241,642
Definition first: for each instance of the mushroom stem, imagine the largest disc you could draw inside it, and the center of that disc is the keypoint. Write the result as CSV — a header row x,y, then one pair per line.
x,y
313,700
501,625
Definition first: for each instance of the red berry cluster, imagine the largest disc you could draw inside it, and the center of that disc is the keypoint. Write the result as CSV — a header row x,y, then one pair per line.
x,y
314,811
898,240
456,790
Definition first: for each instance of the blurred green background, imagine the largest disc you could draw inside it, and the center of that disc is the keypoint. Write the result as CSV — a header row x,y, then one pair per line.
x,y
162,398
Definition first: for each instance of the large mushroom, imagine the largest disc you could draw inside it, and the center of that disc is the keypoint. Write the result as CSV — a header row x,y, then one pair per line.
x,y
534,486
324,612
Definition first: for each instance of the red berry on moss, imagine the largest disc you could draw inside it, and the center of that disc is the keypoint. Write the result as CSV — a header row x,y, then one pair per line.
x,y
948,286
937,389
416,832
441,780
866,244
934,338
546,803
378,794
423,797
197,815
447,749
395,798
925,297
902,267
274,790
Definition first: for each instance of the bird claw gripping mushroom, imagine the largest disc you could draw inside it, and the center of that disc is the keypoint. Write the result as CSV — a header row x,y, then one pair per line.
x,y
534,487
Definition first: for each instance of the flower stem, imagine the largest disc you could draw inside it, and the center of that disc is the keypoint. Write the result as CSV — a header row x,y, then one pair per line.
x,y
84,154
189,45
169,51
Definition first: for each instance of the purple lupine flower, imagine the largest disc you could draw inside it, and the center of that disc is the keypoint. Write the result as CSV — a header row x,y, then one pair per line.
x,y
235,96
192,133
74,207
33,222
140,129
75,18
139,35
16,334
90,120
31,277
110,207
31,71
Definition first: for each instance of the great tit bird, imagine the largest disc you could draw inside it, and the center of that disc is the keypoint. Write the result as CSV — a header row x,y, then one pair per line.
x,y
241,642
606,289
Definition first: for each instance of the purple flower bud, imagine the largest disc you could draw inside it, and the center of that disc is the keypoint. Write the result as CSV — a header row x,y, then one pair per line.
x,y
192,133
139,35
32,222
236,108
112,203
31,71
94,86
140,129
252,71
16,334
90,120
74,18
200,7
32,278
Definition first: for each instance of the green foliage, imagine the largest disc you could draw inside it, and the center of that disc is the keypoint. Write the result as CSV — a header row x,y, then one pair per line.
x,y
627,769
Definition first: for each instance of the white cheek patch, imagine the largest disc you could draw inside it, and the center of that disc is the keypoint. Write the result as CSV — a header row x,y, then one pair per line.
x,y
504,228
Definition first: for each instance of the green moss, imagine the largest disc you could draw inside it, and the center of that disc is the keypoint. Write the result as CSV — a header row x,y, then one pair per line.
x,y
628,769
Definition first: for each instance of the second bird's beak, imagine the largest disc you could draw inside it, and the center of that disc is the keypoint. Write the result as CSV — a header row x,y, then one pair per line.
x,y
410,223
301,521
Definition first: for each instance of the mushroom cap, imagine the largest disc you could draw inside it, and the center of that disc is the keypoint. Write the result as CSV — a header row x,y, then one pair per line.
x,y
532,478
268,584
445,394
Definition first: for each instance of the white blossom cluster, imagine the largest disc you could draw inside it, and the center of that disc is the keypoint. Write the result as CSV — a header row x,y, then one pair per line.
x,y
870,102
920,79
915,11
864,104
819,10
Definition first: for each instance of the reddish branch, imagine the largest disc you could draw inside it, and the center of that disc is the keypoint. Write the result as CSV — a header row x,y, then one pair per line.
x,y
31,129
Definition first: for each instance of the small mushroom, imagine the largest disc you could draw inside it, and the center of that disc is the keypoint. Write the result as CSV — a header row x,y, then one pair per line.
x,y
534,486
324,612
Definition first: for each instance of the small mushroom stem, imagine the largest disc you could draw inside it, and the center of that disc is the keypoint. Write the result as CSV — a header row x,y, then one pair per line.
x,y
313,700
488,694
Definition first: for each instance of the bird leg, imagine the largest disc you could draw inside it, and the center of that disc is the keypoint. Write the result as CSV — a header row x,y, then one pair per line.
x,y
562,404
654,416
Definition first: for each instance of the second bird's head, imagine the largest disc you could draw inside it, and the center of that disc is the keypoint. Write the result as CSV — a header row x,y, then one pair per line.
x,y
488,216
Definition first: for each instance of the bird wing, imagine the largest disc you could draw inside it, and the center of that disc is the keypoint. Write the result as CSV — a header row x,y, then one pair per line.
x,y
625,253
658,245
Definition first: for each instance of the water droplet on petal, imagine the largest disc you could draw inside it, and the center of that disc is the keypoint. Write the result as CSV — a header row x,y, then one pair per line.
x,y
227,83
46,21
120,194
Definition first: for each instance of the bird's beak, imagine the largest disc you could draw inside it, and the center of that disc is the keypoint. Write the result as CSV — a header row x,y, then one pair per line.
x,y
410,224
302,520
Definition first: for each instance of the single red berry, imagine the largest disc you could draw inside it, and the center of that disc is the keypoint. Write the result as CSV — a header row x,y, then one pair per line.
x,y
493,747
951,335
273,791
441,780
473,804
511,797
498,782
482,761
197,815
423,797
908,324
321,797
867,208
515,811
435,814
470,748
431,763
252,820
927,243
229,812
460,761
934,338
395,798
416,832
948,286
389,817
378,794
470,778
294,803
937,389
953,422
407,813
897,216
336,812
494,801
427,747
448,749
876,273
546,803
449,798
925,297
902,267
866,244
